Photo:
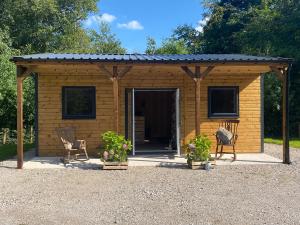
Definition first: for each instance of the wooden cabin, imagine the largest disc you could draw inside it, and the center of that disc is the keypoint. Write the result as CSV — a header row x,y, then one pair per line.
x,y
160,102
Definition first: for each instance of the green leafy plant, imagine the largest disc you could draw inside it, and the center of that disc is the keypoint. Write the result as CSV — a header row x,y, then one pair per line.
x,y
116,147
198,149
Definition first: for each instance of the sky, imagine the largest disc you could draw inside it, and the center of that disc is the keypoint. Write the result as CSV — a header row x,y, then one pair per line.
x,y
134,20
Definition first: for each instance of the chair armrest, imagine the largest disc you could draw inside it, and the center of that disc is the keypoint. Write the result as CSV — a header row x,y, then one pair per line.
x,y
79,144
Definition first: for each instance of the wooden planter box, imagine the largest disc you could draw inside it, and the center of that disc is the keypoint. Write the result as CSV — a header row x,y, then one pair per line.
x,y
115,165
195,165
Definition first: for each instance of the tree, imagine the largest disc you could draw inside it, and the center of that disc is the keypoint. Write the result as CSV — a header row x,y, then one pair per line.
x,y
260,27
192,39
168,46
151,46
8,97
276,32
31,26
226,19
105,41
42,26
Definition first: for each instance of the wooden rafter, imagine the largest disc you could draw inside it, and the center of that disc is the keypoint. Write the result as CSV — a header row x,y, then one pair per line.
x,y
206,72
123,72
116,72
106,71
24,72
197,74
278,71
188,71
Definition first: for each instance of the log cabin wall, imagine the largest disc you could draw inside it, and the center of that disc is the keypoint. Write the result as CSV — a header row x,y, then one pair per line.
x,y
53,77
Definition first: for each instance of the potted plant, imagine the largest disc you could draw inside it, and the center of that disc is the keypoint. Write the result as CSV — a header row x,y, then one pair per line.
x,y
198,152
116,149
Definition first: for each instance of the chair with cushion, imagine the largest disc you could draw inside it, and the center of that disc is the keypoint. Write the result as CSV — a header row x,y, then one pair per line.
x,y
226,135
73,147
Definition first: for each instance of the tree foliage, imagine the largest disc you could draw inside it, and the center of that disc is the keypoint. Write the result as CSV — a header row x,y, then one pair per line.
x,y
257,27
168,46
105,41
7,83
37,26
43,26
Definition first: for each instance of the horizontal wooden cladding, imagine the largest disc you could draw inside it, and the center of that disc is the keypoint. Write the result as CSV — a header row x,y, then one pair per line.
x,y
94,70
52,78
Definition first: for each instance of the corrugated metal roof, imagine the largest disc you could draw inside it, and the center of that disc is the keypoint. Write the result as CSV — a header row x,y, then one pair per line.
x,y
143,58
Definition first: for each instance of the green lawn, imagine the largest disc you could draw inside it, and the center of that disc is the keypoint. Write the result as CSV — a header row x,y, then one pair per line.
x,y
294,142
10,150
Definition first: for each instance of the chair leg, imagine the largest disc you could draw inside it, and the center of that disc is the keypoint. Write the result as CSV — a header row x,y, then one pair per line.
x,y
221,154
68,157
216,155
86,155
234,154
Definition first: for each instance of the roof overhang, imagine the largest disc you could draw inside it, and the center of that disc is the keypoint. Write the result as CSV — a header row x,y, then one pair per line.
x,y
142,59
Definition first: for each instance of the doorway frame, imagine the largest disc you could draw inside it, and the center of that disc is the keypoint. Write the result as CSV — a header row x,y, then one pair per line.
x,y
132,119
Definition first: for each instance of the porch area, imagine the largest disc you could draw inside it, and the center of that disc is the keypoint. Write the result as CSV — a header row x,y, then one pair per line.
x,y
166,160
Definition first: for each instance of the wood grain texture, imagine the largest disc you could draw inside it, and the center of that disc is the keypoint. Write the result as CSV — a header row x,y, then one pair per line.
x,y
20,150
53,78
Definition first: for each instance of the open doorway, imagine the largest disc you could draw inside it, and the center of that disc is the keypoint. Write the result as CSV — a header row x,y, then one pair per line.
x,y
152,120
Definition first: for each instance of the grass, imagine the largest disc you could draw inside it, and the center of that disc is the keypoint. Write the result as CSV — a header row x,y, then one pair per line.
x,y
10,150
294,142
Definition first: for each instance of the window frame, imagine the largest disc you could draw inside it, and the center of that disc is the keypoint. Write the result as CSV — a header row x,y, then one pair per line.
x,y
65,116
236,102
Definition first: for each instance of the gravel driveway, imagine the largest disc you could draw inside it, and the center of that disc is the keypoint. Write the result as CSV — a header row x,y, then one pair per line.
x,y
252,194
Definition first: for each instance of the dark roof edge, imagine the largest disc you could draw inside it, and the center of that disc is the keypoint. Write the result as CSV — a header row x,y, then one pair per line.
x,y
281,60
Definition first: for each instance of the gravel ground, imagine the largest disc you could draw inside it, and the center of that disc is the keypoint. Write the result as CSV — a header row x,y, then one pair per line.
x,y
254,194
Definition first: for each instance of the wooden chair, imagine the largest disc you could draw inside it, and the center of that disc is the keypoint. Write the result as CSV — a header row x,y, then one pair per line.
x,y
232,126
71,144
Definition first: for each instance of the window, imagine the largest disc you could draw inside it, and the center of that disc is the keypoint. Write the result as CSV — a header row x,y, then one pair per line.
x,y
223,102
78,103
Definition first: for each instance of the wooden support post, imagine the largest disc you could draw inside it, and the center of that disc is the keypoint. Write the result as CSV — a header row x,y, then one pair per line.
x,y
115,75
20,122
197,76
285,117
197,105
116,103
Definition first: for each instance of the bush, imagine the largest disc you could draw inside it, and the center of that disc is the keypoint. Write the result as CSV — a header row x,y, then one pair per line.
x,y
198,149
116,147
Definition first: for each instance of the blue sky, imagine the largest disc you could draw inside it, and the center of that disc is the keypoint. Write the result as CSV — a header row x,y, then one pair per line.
x,y
135,20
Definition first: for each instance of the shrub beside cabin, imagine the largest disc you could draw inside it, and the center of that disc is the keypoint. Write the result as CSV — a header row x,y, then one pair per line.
x,y
158,101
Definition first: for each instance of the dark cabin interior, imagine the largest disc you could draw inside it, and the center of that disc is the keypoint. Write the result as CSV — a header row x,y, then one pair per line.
x,y
155,121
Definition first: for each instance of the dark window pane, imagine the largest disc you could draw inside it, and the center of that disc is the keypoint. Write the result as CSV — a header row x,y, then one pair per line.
x,y
79,102
223,101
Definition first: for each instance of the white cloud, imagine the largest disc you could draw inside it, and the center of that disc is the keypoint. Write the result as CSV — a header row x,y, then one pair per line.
x,y
201,24
108,18
132,25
